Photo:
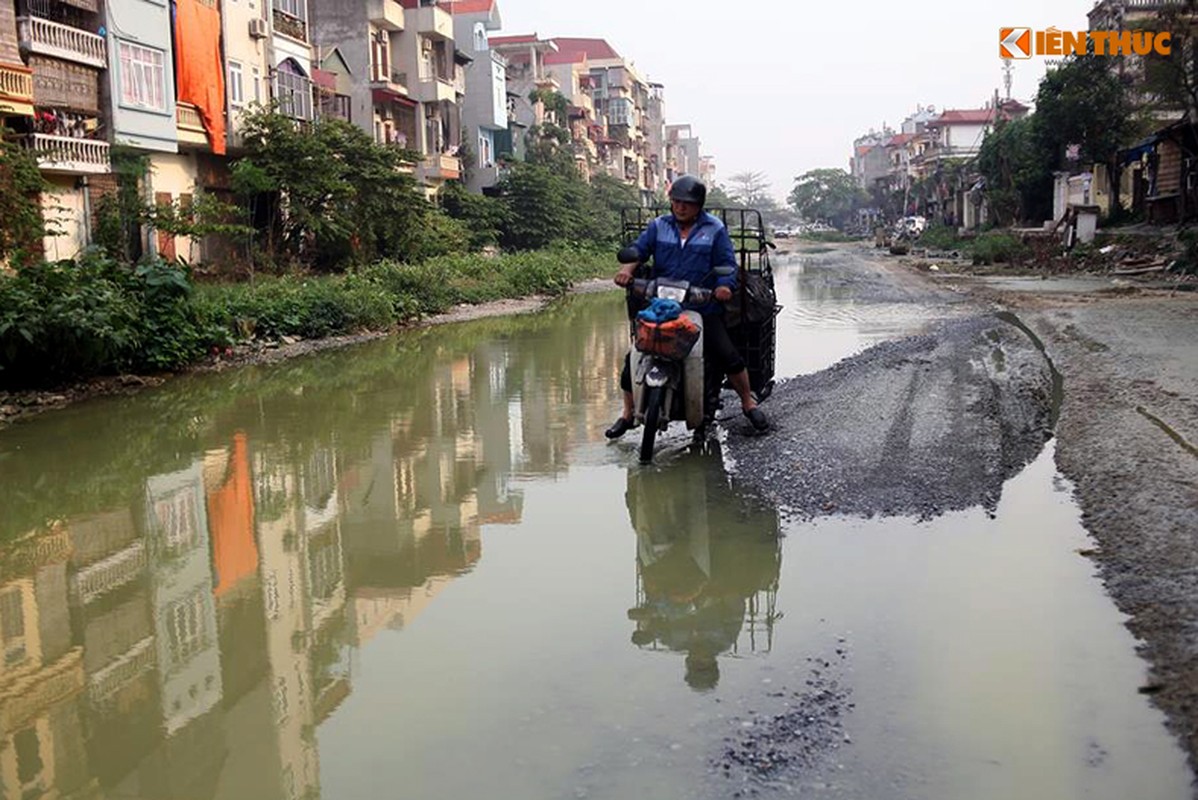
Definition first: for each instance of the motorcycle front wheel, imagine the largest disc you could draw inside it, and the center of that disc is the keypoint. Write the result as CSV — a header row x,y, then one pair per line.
x,y
653,403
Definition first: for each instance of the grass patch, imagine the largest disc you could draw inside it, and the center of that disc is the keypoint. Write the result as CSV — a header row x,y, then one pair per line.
x,y
69,321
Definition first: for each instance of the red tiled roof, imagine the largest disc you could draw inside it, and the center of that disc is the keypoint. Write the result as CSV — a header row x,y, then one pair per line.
x,y
965,116
898,140
862,149
593,48
565,58
468,6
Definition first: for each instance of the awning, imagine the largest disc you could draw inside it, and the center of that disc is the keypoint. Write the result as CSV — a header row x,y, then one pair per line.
x,y
380,95
325,79
1139,150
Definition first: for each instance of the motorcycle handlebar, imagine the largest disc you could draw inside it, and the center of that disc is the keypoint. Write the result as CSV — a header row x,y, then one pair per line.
x,y
695,296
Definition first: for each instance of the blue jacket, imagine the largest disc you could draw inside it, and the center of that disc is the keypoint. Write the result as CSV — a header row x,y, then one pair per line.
x,y
707,247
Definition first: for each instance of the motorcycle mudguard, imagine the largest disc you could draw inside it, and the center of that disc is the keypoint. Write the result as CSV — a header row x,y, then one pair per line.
x,y
692,378
636,370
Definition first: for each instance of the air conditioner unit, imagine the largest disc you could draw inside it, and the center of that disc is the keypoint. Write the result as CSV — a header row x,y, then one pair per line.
x,y
258,29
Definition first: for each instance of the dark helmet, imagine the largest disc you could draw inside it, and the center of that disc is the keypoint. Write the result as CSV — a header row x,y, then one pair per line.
x,y
689,190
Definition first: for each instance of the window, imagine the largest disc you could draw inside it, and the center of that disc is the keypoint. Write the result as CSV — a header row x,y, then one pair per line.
x,y
293,91
480,37
254,76
293,8
236,86
143,82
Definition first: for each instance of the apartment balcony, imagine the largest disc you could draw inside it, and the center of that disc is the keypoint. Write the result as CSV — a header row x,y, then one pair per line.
x,y
65,84
16,89
396,83
56,40
74,156
122,671
189,124
120,568
548,82
435,89
32,695
431,21
442,167
386,14
289,26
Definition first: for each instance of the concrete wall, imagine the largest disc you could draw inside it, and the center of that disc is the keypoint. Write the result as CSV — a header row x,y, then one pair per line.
x,y
343,24
247,51
8,34
175,175
143,23
964,138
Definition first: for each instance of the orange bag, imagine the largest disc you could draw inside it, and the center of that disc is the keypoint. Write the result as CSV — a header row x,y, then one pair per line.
x,y
673,339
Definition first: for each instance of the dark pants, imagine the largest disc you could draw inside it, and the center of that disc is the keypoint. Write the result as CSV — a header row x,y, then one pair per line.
x,y
718,351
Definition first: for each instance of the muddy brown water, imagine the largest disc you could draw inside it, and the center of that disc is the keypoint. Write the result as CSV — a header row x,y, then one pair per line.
x,y
415,569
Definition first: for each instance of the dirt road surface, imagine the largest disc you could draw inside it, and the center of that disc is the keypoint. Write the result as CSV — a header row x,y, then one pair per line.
x,y
939,421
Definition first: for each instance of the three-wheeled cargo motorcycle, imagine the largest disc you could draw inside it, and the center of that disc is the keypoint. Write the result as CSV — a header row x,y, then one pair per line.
x,y
669,381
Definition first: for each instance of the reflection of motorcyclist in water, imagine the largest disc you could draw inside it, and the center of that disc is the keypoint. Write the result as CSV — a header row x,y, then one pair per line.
x,y
707,562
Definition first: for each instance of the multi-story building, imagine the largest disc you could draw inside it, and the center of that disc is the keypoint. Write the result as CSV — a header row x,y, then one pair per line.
x,y
682,151
621,97
67,60
485,105
573,75
655,139
527,80
394,65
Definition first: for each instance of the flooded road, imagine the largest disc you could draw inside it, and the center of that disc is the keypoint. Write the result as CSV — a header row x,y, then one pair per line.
x,y
415,569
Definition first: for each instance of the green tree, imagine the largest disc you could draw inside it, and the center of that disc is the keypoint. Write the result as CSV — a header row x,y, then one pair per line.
x,y
1017,166
483,217
826,194
334,196
21,223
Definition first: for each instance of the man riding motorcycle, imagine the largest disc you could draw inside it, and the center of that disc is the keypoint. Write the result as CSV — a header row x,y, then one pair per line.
x,y
689,244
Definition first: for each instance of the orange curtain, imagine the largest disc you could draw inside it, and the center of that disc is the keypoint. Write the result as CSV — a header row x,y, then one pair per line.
x,y
231,521
199,72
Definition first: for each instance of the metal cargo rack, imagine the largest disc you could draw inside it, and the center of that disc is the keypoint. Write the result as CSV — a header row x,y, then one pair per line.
x,y
755,341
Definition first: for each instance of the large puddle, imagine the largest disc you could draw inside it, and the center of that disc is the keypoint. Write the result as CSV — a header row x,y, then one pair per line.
x,y
415,569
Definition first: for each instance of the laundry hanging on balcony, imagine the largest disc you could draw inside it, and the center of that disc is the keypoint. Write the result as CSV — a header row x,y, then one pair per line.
x,y
199,75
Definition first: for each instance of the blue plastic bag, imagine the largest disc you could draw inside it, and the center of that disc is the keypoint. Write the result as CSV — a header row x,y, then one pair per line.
x,y
661,310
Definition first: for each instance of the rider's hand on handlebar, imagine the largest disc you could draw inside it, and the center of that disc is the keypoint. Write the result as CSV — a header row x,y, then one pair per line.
x,y
624,276
723,294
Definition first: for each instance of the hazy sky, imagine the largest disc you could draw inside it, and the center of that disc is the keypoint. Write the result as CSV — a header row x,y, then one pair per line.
x,y
783,86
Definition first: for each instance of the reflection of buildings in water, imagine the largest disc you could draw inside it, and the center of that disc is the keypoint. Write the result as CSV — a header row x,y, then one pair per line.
x,y
41,672
182,596
110,592
707,565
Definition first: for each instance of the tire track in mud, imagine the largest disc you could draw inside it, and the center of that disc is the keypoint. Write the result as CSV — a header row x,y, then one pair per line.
x,y
917,426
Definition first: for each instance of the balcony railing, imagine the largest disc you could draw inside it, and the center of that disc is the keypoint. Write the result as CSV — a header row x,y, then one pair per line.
x,y
118,569
62,41
123,670
443,166
16,83
190,126
64,154
290,26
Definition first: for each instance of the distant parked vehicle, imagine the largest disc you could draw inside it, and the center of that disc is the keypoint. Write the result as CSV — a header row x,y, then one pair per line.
x,y
910,227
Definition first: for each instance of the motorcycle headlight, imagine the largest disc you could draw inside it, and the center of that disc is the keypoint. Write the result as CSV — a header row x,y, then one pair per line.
x,y
675,293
